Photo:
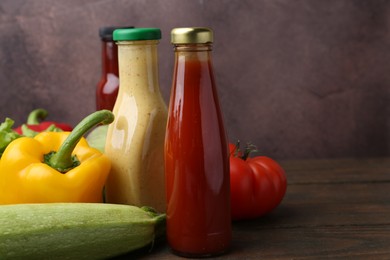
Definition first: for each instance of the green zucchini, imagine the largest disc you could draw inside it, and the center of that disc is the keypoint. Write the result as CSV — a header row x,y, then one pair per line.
x,y
76,230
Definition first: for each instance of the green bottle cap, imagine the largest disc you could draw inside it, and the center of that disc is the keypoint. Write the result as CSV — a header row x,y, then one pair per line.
x,y
137,34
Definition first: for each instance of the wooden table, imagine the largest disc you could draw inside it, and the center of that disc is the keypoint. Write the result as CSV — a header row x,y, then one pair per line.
x,y
334,209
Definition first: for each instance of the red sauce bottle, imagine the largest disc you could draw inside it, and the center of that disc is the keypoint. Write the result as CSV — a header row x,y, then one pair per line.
x,y
107,87
196,152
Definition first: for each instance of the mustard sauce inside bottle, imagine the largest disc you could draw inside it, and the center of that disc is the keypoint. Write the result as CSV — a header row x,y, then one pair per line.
x,y
135,140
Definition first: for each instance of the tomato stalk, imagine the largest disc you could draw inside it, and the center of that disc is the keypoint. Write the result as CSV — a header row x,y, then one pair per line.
x,y
249,148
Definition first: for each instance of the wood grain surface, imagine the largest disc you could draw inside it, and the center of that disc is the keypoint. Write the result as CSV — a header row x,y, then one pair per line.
x,y
333,209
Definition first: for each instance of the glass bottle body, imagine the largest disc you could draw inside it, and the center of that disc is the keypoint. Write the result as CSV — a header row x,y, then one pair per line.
x,y
108,86
196,159
135,140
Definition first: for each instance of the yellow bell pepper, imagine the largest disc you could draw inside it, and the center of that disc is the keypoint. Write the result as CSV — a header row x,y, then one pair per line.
x,y
55,166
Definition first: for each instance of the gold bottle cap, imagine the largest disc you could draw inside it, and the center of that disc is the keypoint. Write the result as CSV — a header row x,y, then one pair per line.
x,y
191,35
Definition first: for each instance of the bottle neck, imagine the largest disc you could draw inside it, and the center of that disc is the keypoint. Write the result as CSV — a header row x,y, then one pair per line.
x,y
109,58
138,66
187,52
193,76
198,47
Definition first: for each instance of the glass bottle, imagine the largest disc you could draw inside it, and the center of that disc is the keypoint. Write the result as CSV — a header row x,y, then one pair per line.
x,y
196,152
108,85
135,140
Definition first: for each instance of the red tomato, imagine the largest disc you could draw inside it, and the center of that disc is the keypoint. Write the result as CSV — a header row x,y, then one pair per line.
x,y
257,185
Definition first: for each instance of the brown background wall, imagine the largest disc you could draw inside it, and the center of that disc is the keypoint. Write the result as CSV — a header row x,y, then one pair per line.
x,y
300,79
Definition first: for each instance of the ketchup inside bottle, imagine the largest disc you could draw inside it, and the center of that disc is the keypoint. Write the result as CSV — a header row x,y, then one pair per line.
x,y
108,85
196,160
107,88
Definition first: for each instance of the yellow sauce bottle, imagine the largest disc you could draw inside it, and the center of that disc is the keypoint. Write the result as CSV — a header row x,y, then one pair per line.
x,y
135,140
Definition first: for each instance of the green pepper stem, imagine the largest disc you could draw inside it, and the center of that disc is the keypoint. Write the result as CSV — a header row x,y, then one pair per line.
x,y
36,115
63,160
